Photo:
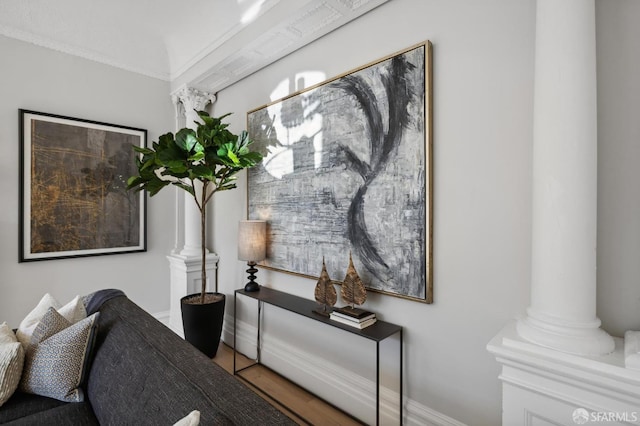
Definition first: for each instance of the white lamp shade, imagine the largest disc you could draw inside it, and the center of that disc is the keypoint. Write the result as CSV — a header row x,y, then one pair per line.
x,y
252,240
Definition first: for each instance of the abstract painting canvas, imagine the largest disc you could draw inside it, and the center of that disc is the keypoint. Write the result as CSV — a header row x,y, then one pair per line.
x,y
73,180
347,169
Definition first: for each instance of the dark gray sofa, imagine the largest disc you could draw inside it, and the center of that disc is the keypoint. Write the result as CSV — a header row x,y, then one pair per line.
x,y
144,374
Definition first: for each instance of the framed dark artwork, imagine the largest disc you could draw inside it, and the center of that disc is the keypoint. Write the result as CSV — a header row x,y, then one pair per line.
x,y
73,188
348,168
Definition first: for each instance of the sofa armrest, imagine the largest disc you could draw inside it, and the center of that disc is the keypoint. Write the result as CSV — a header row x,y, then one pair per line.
x,y
143,372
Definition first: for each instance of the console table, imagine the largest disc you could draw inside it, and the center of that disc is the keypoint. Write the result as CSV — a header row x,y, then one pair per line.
x,y
377,332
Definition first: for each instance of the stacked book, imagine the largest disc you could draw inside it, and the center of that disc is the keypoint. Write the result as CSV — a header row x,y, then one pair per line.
x,y
355,317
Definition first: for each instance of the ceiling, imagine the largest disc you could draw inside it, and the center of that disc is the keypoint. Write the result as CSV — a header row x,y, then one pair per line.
x,y
206,44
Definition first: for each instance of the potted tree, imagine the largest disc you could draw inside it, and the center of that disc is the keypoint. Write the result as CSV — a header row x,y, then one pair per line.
x,y
202,162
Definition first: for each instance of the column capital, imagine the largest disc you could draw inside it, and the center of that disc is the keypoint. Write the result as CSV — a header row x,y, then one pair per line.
x,y
188,100
192,99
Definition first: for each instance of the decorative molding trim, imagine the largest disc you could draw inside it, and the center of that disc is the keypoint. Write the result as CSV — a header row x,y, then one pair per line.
x,y
532,419
265,7
547,385
277,30
345,383
37,40
353,4
192,99
575,337
604,375
313,20
418,414
222,67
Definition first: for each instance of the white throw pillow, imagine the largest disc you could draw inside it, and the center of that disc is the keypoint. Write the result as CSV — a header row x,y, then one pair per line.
x,y
11,363
192,419
73,312
6,334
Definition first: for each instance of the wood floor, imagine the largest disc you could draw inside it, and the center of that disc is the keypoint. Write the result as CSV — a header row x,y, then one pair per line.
x,y
303,407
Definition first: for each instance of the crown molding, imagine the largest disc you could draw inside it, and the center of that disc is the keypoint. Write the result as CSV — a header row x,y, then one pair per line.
x,y
268,39
280,27
37,40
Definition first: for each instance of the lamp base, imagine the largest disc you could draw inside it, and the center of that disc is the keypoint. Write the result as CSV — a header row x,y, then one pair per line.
x,y
252,285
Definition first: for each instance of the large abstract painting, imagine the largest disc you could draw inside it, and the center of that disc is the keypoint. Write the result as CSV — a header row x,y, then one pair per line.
x,y
73,196
347,168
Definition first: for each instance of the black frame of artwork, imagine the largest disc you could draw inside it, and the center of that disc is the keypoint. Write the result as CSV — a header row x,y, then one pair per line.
x,y
73,196
348,169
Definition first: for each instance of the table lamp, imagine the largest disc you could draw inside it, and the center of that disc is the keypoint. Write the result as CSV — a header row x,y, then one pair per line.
x,y
252,247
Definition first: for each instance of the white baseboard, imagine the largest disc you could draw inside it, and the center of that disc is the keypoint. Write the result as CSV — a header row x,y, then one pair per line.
x,y
418,415
345,386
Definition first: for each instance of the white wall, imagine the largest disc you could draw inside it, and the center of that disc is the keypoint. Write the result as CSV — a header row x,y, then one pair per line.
x,y
483,77
43,80
618,53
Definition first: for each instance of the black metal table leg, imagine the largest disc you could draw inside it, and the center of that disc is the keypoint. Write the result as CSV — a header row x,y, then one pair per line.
x,y
258,342
377,332
235,315
377,383
401,381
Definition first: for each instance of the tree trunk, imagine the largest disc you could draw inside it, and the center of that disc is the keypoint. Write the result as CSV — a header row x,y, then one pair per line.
x,y
203,238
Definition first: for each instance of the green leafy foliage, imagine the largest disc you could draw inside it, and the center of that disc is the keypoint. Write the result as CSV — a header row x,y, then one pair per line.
x,y
210,153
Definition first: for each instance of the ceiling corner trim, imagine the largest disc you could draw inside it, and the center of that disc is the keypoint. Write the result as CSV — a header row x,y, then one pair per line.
x,y
222,57
312,20
37,40
267,5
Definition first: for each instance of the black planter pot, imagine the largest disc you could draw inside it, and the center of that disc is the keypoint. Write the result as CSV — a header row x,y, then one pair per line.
x,y
203,323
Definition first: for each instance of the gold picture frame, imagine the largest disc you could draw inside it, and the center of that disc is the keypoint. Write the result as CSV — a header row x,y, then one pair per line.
x,y
348,167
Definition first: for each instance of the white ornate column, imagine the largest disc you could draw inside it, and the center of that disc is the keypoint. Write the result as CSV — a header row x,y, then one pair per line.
x,y
562,314
191,100
558,366
185,261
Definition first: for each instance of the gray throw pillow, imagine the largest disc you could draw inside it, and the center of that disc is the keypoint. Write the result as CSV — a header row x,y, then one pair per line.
x,y
58,356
